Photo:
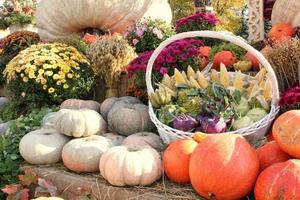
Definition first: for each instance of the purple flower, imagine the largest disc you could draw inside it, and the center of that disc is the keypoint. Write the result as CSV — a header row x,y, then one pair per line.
x,y
135,41
140,31
163,70
158,33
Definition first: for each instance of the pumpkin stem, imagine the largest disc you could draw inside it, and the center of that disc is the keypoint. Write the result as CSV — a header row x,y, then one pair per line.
x,y
212,196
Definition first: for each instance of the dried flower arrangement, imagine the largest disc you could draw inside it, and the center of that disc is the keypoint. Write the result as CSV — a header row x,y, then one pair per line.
x,y
109,57
284,56
290,99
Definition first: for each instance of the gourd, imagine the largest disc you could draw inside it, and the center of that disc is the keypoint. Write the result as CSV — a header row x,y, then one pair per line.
x,y
270,154
80,123
145,139
83,154
286,11
115,138
77,104
107,105
223,167
127,119
280,181
286,132
176,159
43,146
57,19
130,165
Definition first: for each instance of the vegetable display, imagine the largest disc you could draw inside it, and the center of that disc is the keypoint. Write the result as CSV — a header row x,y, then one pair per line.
x,y
221,102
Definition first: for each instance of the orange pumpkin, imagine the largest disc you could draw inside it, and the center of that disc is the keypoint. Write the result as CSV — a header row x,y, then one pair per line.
x,y
280,181
88,38
280,32
176,160
270,154
225,57
204,51
286,132
224,167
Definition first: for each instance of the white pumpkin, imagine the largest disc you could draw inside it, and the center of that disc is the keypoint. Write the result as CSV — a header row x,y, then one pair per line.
x,y
131,165
48,121
115,138
83,154
77,104
80,123
107,105
59,18
286,11
145,139
127,119
43,146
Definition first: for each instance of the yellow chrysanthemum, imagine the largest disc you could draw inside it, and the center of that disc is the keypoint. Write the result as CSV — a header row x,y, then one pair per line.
x,y
22,75
51,90
45,87
58,83
25,79
63,80
66,86
41,71
55,76
32,76
43,81
70,75
77,75
49,73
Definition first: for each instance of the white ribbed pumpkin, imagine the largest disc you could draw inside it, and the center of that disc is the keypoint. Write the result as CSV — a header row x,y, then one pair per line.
x,y
59,18
79,123
286,11
131,165
145,139
43,146
83,154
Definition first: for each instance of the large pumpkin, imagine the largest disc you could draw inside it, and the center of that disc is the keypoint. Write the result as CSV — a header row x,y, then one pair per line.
x,y
176,159
280,181
286,132
59,18
83,154
286,11
270,154
79,123
145,139
77,104
108,104
43,146
223,167
127,119
130,165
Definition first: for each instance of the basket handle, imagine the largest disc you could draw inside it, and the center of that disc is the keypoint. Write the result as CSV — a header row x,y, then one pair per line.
x,y
215,35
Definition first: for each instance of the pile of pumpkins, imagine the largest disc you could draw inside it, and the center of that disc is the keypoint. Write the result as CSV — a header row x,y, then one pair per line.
x,y
227,167
78,135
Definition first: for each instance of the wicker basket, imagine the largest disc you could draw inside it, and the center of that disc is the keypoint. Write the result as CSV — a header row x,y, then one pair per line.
x,y
256,130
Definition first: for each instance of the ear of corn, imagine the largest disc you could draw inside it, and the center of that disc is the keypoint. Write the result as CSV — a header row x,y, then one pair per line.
x,y
224,76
